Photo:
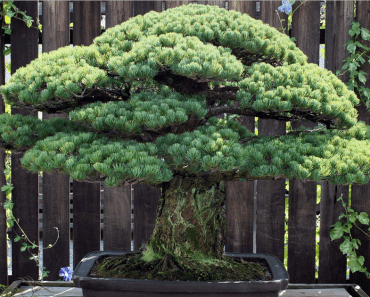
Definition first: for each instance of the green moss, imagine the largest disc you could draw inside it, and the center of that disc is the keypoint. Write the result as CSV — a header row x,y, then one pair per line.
x,y
197,268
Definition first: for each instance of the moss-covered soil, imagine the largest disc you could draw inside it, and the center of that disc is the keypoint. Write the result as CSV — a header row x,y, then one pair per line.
x,y
184,269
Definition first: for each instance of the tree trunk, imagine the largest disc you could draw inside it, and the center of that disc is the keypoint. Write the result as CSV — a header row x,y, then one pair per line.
x,y
190,219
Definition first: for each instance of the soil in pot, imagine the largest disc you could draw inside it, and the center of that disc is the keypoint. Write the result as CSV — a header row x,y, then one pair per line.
x,y
169,267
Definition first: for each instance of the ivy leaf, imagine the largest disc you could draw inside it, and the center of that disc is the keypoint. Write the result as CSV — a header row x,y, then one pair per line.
x,y
363,218
362,76
355,264
336,233
18,238
8,205
366,93
24,247
362,60
355,30
352,68
346,246
7,30
351,48
365,34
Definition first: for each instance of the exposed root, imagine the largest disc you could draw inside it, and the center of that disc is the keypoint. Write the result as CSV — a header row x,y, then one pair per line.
x,y
177,268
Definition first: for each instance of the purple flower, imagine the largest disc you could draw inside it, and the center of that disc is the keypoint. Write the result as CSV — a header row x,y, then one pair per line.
x,y
286,7
66,273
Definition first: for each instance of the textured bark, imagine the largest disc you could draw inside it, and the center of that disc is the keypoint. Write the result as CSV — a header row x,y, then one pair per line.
x,y
190,219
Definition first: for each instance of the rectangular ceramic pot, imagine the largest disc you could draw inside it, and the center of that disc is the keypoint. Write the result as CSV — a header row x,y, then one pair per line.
x,y
115,287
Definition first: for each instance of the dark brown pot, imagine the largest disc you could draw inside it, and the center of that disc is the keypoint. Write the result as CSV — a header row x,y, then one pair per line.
x,y
114,287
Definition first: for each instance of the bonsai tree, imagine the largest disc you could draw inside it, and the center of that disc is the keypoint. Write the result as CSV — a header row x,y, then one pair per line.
x,y
158,100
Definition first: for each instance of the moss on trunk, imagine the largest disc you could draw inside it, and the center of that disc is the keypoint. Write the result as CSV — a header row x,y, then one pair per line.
x,y
190,219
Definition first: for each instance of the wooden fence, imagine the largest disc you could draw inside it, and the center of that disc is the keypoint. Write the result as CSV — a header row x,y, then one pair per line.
x,y
268,216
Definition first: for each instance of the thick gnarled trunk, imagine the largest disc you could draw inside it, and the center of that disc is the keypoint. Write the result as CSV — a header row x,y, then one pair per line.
x,y
190,219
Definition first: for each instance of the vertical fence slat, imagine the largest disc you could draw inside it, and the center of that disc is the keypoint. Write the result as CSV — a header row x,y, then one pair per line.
x,y
55,31
302,195
25,193
117,12
3,227
360,194
239,215
86,25
146,199
56,189
301,232
117,219
117,201
268,13
142,7
270,194
240,195
172,4
332,263
86,219
86,196
248,7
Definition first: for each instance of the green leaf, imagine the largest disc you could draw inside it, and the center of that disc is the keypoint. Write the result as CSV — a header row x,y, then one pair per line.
x,y
8,205
17,238
336,233
352,48
365,34
356,264
363,218
346,246
24,247
366,93
362,76
355,29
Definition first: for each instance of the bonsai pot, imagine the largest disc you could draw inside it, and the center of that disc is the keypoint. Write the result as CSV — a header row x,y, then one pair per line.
x,y
114,287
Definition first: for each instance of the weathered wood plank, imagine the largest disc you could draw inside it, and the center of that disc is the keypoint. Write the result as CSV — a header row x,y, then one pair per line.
x,y
301,232
143,7
339,16
172,4
86,25
3,227
86,196
56,198
25,193
146,199
212,2
86,219
268,13
360,194
239,215
302,195
117,218
332,263
248,7
56,215
117,201
240,211
117,12
270,194
55,25
306,29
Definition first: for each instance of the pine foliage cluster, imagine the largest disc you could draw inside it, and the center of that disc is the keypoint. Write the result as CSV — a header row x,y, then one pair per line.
x,y
156,97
